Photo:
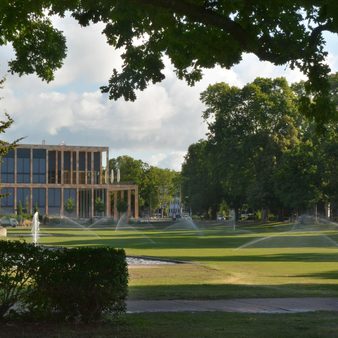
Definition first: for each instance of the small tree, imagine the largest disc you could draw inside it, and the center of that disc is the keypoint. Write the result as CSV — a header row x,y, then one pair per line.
x,y
70,205
36,208
19,211
99,205
122,205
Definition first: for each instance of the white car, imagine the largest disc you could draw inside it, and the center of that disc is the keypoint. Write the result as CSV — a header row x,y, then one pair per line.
x,y
8,221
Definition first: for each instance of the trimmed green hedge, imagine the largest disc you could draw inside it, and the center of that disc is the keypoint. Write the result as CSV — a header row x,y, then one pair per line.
x,y
80,283
18,265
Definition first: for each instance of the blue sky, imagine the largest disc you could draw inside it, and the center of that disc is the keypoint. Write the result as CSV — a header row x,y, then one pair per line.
x,y
157,128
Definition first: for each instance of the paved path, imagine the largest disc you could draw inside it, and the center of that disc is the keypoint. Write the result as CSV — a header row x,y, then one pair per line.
x,y
251,305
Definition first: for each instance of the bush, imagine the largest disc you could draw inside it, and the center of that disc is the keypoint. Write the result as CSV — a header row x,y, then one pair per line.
x,y
81,283
18,266
70,284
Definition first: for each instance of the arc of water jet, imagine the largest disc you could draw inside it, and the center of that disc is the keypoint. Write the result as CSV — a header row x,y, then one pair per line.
x,y
82,227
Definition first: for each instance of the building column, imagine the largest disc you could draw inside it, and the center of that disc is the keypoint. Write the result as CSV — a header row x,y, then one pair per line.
x,y
31,200
15,180
136,203
15,165
71,167
115,206
31,166
100,177
15,203
107,168
77,202
129,204
77,167
56,167
46,201
92,176
47,167
86,159
92,202
62,204
108,203
62,166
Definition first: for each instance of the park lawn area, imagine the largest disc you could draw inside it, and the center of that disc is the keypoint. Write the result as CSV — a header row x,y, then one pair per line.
x,y
205,324
273,260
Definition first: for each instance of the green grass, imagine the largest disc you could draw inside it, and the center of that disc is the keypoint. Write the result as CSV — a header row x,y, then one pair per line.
x,y
206,325
274,260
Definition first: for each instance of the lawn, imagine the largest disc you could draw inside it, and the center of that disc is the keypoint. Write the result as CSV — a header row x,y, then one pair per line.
x,y
168,325
274,260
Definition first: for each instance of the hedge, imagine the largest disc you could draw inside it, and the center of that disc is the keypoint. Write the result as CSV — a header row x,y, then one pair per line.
x,y
80,283
19,263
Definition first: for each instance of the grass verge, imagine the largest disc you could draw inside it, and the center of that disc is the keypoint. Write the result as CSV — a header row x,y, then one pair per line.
x,y
206,325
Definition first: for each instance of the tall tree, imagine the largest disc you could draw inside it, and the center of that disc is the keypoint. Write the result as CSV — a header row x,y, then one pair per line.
x,y
156,186
200,185
193,34
250,128
132,171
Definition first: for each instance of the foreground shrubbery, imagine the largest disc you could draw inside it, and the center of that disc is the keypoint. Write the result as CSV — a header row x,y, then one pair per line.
x,y
81,283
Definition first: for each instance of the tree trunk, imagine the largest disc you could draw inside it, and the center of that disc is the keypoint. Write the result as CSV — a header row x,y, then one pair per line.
x,y
264,215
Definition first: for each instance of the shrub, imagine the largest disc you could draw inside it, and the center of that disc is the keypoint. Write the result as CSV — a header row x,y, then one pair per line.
x,y
81,283
18,265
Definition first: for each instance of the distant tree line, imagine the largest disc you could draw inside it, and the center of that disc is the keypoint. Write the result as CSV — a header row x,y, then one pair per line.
x,y
261,153
157,187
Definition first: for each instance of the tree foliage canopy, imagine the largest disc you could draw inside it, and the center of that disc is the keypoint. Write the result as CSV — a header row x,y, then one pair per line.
x,y
261,152
157,186
193,34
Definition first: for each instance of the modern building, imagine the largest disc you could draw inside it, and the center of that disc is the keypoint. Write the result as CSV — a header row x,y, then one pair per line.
x,y
62,180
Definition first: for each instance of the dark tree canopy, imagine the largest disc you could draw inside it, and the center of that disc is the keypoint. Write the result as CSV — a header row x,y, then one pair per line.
x,y
261,153
194,34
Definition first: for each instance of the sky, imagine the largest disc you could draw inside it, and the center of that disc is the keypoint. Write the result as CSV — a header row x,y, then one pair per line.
x,y
157,128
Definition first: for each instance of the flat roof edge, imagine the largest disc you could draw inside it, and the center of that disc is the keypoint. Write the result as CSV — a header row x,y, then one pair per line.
x,y
58,146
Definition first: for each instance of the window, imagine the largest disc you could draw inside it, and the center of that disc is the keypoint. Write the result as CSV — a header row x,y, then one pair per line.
x,y
70,200
7,168
39,166
23,165
97,162
66,167
82,167
8,199
52,167
23,197
39,199
54,201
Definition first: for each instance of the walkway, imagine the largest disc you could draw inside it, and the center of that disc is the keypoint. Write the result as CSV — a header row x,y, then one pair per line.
x,y
251,305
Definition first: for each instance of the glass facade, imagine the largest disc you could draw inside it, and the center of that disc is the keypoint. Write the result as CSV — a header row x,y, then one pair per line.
x,y
97,167
39,166
23,161
74,167
54,201
82,167
7,202
99,201
59,166
70,201
66,167
7,168
39,200
54,180
52,167
23,197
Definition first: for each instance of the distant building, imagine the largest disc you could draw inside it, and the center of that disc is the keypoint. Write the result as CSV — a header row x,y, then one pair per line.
x,y
62,180
175,208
